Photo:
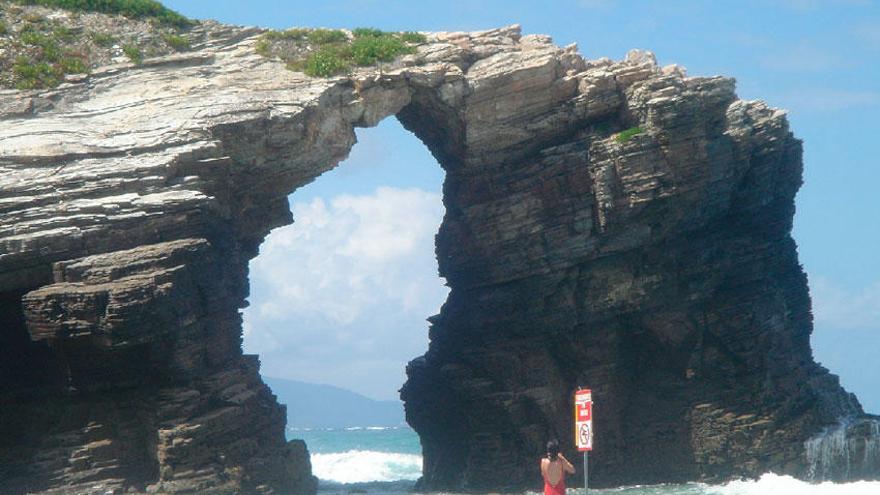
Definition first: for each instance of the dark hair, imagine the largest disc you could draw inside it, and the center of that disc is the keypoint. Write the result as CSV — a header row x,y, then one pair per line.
x,y
553,449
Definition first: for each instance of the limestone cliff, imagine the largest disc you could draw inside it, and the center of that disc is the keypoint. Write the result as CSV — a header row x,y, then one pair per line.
x,y
612,224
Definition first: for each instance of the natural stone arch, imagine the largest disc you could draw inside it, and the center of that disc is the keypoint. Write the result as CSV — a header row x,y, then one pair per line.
x,y
573,254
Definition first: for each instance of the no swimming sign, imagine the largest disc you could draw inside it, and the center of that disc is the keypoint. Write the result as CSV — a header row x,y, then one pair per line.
x,y
583,419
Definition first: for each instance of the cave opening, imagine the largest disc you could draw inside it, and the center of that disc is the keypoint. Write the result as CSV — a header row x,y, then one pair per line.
x,y
31,378
339,300
23,379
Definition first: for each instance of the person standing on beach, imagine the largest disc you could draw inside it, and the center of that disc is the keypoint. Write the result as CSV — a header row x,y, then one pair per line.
x,y
553,469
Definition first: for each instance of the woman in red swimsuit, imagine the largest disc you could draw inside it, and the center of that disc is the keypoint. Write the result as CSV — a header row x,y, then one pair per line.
x,y
553,469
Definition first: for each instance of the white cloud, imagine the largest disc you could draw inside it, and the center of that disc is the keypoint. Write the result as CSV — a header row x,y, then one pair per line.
x,y
347,287
391,223
338,258
839,307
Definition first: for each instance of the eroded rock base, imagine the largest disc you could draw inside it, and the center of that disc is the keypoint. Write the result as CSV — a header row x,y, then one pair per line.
x,y
146,388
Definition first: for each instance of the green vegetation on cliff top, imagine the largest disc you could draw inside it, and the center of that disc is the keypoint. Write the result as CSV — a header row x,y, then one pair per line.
x,y
135,9
330,52
43,60
38,51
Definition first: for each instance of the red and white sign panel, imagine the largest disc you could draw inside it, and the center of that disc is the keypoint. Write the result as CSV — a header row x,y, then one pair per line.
x,y
583,419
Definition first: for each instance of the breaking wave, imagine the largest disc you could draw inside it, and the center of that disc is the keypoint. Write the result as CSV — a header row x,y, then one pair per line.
x,y
389,473
359,466
383,461
786,485
768,484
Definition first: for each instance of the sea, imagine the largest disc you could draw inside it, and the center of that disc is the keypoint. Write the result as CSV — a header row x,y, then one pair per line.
x,y
377,460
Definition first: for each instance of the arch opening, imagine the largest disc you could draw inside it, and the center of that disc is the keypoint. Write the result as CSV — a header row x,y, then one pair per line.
x,y
338,303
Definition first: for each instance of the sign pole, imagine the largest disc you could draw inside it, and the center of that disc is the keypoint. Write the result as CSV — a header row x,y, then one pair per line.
x,y
583,428
586,472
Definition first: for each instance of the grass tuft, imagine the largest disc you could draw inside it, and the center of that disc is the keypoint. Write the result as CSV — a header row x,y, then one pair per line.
x,y
177,42
368,50
289,34
102,39
264,48
624,136
327,36
73,65
326,62
362,32
30,75
133,52
413,37
64,34
34,17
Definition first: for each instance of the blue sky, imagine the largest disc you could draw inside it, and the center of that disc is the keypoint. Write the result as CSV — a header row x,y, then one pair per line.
x,y
816,58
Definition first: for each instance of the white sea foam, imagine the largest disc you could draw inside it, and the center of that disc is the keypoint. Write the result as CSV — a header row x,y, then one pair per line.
x,y
769,484
773,484
359,466
345,428
371,428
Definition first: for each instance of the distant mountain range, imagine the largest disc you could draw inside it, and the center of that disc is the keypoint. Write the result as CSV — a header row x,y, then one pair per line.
x,y
324,406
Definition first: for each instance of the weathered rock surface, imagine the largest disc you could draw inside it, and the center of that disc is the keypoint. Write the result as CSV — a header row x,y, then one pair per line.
x,y
658,270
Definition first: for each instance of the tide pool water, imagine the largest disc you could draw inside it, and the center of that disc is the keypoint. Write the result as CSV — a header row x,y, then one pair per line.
x,y
387,461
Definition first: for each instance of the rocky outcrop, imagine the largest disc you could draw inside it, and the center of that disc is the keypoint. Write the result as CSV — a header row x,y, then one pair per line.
x,y
654,265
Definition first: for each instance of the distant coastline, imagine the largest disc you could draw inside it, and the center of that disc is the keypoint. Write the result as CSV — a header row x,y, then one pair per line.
x,y
312,405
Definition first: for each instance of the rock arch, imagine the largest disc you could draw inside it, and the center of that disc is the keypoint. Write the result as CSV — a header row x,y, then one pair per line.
x,y
655,265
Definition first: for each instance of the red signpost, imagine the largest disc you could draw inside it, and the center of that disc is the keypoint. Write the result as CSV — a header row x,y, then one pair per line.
x,y
583,426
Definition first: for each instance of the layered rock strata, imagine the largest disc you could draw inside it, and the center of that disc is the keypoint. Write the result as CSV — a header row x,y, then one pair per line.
x,y
657,269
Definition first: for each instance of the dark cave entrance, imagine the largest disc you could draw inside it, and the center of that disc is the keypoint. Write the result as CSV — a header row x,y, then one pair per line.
x,y
26,367
30,372
40,399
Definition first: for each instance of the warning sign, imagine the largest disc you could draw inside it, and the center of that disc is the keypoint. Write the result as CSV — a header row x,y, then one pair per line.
x,y
583,419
